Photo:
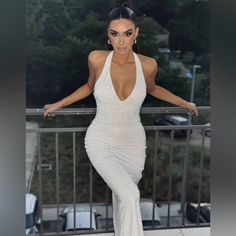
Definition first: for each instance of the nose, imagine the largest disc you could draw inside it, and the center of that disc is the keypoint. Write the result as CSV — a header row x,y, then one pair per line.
x,y
121,40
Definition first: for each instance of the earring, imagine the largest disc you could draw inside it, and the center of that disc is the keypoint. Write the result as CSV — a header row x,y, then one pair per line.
x,y
109,41
135,41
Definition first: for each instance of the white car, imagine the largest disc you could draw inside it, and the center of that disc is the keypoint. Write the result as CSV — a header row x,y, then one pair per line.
x,y
82,218
32,213
207,131
146,206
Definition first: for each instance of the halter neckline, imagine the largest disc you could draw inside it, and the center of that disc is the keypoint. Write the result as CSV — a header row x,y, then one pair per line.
x,y
136,78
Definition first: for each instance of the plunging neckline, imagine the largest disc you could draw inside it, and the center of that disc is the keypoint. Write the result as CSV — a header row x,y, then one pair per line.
x,y
136,78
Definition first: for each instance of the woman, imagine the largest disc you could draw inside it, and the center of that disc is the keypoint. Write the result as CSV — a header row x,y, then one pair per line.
x,y
115,140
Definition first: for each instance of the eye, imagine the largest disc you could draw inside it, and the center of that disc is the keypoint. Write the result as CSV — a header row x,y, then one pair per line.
x,y
113,34
128,34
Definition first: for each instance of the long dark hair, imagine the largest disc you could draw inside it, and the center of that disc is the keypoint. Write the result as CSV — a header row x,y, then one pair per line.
x,y
123,10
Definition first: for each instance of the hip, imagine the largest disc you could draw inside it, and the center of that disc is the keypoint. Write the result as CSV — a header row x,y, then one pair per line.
x,y
120,134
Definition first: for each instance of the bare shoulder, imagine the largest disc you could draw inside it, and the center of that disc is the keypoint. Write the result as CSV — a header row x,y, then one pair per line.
x,y
149,66
97,57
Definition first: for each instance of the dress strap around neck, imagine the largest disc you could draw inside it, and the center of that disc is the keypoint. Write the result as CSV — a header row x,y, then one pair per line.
x,y
109,57
107,64
139,68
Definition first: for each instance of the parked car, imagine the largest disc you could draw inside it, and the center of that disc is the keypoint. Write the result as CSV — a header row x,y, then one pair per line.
x,y
146,206
207,131
204,212
82,218
171,120
32,214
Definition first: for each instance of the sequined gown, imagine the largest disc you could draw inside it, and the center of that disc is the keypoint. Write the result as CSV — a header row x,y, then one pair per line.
x,y
115,143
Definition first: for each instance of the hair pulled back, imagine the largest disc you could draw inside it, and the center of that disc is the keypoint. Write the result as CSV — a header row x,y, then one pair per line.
x,y
123,10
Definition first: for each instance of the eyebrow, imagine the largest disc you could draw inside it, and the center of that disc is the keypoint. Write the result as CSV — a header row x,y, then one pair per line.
x,y
124,31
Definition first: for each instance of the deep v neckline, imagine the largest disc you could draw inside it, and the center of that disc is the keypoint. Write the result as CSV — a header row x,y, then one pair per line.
x,y
136,79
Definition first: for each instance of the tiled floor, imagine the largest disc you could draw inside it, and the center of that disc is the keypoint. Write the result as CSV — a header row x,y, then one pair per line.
x,y
196,231
203,231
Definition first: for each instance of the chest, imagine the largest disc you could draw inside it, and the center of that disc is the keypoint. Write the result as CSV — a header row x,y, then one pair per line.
x,y
123,77
124,80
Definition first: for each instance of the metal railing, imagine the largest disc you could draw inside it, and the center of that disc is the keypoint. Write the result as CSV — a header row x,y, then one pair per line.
x,y
156,130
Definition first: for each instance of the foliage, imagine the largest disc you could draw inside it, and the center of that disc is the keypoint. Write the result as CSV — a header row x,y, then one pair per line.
x,y
60,34
162,11
147,37
56,21
34,22
169,79
190,30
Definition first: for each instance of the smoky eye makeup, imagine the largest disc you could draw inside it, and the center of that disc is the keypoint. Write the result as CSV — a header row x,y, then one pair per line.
x,y
113,34
127,33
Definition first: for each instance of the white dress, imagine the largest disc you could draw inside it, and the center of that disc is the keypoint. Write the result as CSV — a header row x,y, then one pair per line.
x,y
115,143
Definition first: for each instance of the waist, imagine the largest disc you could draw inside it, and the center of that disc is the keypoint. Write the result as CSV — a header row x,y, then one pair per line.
x,y
118,117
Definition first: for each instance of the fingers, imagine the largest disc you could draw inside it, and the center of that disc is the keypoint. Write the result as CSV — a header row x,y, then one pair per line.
x,y
48,114
47,111
194,108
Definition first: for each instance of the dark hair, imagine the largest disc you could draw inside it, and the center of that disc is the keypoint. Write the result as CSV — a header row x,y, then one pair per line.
x,y
122,10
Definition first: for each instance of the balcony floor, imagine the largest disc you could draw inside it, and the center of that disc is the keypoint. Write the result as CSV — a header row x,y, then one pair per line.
x,y
203,231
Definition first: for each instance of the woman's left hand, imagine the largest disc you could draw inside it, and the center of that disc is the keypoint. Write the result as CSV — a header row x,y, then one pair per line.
x,y
192,106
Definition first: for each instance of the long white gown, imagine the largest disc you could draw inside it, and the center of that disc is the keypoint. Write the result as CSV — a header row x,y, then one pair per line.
x,y
115,143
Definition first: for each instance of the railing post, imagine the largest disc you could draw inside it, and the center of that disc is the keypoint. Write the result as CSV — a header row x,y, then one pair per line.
x,y
74,180
170,176
154,176
200,178
40,183
57,179
184,179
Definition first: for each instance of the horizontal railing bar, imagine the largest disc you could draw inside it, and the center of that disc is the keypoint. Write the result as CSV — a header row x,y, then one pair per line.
x,y
87,111
176,127
202,225
81,129
71,204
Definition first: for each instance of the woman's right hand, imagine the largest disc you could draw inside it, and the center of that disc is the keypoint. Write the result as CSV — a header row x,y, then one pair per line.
x,y
50,108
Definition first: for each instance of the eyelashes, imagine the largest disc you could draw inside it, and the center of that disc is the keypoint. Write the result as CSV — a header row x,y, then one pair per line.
x,y
126,34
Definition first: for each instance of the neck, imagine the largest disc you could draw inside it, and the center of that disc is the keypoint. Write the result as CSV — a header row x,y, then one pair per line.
x,y
123,58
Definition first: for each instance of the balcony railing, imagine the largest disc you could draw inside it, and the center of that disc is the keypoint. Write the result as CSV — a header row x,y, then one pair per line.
x,y
157,130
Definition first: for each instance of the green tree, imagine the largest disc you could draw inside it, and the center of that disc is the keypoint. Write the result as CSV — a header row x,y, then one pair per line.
x,y
34,22
90,28
56,21
147,41
190,31
162,11
100,7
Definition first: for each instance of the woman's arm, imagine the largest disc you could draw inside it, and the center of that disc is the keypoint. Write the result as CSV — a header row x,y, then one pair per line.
x,y
78,94
164,94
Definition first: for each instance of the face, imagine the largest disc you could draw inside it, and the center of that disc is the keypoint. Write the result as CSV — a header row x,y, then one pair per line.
x,y
122,34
